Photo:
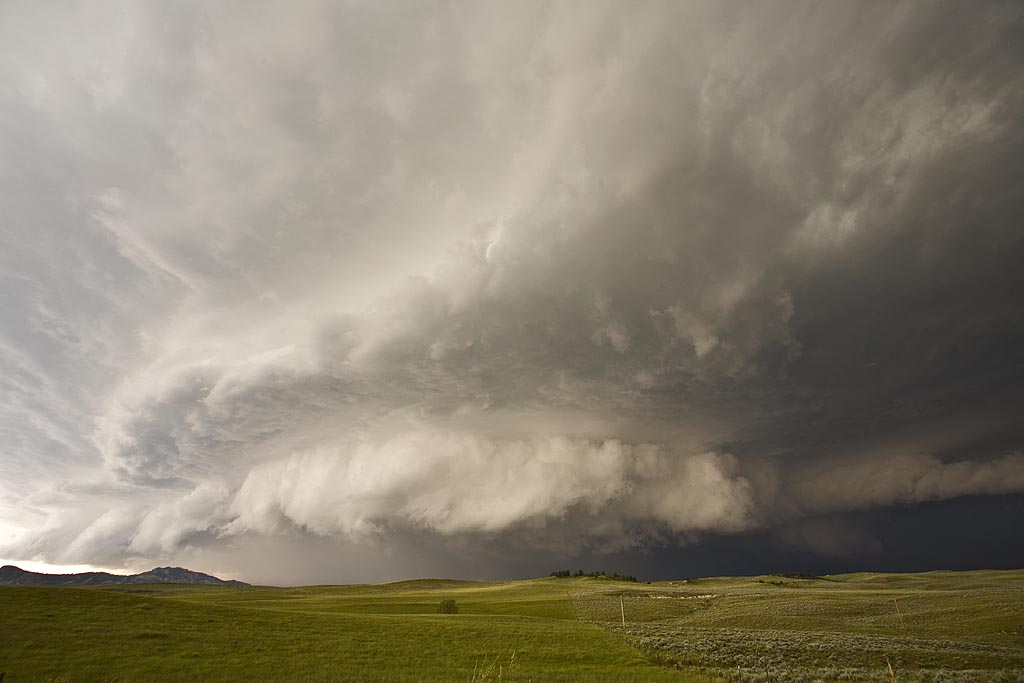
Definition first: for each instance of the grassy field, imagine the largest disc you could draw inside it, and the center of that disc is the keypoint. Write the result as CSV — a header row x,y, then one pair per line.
x,y
955,627
509,632
937,626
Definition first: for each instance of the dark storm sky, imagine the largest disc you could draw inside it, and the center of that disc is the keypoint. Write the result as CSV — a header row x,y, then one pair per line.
x,y
313,291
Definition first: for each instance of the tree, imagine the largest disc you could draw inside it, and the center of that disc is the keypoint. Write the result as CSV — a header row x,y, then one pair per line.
x,y
448,607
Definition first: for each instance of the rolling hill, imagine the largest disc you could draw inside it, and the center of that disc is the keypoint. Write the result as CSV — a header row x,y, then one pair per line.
x,y
15,576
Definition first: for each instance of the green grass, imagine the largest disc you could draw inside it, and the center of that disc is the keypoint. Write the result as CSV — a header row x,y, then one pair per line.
x,y
959,628
320,633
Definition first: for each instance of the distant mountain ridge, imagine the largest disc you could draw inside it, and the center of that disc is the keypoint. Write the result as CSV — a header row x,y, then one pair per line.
x,y
16,576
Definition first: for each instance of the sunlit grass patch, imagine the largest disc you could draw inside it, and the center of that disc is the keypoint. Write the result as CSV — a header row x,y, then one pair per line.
x,y
311,635
933,627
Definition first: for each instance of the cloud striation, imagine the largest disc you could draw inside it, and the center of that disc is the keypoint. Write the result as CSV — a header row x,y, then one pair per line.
x,y
565,277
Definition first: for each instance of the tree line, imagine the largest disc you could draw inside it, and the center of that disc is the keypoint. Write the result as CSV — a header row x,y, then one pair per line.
x,y
567,574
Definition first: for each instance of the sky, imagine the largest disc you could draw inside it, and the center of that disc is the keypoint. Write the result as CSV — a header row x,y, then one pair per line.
x,y
307,292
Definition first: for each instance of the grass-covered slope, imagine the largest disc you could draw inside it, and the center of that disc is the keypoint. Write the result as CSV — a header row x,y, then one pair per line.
x,y
352,633
965,627
955,627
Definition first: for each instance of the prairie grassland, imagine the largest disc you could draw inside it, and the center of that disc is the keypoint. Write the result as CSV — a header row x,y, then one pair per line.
x,y
956,627
508,632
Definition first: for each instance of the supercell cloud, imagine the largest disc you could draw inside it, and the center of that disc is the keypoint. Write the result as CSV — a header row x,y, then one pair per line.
x,y
358,279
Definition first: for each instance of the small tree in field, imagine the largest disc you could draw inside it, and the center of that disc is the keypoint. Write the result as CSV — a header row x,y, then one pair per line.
x,y
447,607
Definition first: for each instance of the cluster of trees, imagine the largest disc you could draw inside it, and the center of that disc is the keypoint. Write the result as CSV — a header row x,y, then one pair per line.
x,y
448,607
567,574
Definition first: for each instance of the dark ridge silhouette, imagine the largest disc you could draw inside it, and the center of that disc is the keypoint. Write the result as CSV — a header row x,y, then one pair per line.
x,y
565,574
16,576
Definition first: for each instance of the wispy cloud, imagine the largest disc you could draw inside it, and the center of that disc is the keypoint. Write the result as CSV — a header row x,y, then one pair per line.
x,y
617,273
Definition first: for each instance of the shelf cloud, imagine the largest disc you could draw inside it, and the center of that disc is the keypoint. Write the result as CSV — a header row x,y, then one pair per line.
x,y
569,277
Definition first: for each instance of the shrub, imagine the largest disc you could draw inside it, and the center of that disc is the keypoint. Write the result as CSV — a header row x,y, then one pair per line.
x,y
448,607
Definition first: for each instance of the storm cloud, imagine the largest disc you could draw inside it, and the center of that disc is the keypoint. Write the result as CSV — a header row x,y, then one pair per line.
x,y
576,277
